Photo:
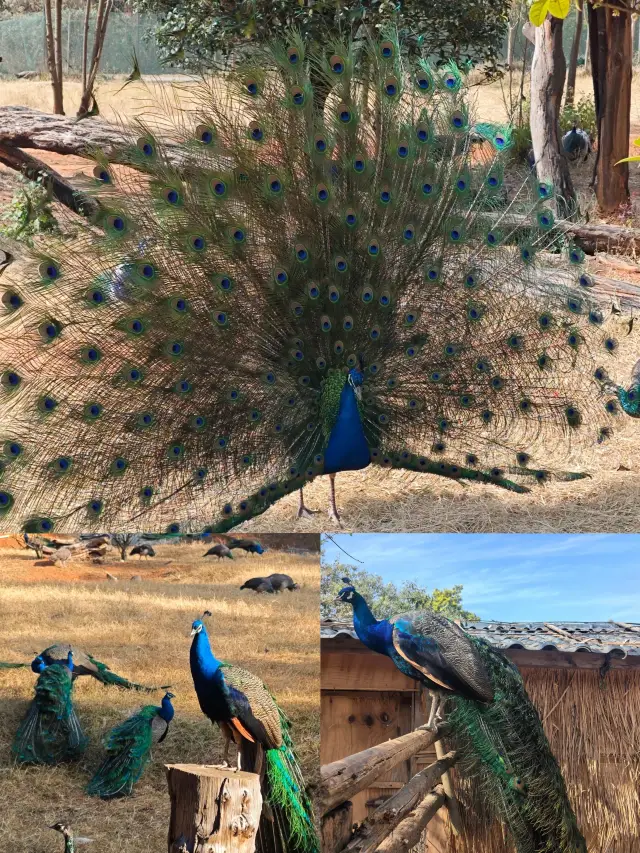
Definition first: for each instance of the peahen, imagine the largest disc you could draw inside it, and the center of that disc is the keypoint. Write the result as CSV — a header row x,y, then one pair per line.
x,y
248,714
142,551
494,725
128,749
219,551
50,732
85,664
576,143
273,292
259,585
70,840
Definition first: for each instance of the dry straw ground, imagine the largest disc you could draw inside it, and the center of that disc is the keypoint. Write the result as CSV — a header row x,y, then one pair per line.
x,y
141,630
395,501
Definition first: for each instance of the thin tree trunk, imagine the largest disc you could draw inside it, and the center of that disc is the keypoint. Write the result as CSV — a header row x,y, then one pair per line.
x,y
102,19
511,40
634,39
573,61
610,41
58,48
85,43
587,51
51,60
548,70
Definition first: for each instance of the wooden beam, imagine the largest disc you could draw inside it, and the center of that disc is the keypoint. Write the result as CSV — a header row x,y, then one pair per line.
x,y
350,669
391,813
337,827
408,833
341,780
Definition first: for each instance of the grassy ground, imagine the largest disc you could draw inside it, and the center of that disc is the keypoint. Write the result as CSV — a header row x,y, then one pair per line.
x,y
141,630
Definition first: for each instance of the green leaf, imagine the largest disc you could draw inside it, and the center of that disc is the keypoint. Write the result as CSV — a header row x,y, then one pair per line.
x,y
540,8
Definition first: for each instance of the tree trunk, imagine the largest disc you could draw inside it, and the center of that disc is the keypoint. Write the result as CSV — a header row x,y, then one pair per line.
x,y
336,828
547,85
573,60
57,42
587,51
213,809
102,19
85,43
634,39
610,41
56,84
511,40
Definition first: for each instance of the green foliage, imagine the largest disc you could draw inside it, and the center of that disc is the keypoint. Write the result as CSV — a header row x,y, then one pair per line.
x,y
29,212
193,32
385,599
582,114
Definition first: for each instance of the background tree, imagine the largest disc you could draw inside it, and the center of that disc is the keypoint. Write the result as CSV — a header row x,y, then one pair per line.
x,y
193,32
386,599
122,541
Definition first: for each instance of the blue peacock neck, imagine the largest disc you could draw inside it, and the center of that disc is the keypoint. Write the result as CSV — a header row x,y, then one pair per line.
x,y
166,709
347,448
376,635
204,664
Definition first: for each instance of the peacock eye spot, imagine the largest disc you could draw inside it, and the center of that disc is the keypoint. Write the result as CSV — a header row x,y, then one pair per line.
x,y
147,271
118,223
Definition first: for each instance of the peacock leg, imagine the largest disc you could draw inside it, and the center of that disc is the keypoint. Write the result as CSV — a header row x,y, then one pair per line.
x,y
333,509
303,511
436,701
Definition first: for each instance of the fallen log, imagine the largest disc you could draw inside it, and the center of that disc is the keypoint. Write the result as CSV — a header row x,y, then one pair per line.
x,y
341,780
24,127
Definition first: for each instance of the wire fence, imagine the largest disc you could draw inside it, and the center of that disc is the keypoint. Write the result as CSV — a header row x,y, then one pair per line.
x,y
22,43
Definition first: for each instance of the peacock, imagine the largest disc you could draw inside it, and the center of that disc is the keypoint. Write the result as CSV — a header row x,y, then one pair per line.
x,y
250,546
494,725
50,732
271,291
70,840
85,664
248,714
220,550
129,750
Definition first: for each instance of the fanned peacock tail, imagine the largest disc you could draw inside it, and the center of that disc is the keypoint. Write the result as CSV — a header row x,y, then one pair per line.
x,y
51,732
504,748
290,817
183,359
128,749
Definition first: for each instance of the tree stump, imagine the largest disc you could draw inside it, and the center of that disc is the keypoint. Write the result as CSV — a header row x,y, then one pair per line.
x,y
213,809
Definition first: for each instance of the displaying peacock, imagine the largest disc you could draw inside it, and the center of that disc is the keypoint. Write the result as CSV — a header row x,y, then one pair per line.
x,y
248,714
270,292
494,725
85,664
50,732
128,749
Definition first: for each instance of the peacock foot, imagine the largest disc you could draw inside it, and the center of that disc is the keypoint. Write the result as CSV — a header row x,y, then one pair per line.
x,y
304,512
334,515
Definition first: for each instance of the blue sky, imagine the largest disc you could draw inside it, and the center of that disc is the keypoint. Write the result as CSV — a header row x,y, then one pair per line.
x,y
519,577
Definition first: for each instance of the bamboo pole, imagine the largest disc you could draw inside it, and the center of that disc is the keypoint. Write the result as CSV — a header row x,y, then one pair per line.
x,y
341,780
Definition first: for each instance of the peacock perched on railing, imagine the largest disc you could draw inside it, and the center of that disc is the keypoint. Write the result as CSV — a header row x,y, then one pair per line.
x,y
494,726
248,714
50,732
272,292
128,749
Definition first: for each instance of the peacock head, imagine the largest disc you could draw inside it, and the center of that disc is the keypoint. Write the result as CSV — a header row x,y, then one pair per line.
x,y
198,625
63,828
347,593
168,696
38,665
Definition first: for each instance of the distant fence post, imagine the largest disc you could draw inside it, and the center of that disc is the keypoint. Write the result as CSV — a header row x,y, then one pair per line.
x,y
213,808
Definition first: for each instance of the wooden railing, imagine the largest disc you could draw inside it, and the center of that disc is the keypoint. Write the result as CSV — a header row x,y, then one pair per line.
x,y
397,825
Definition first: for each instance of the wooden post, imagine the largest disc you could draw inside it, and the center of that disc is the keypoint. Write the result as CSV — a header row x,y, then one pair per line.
x,y
213,809
340,780
408,833
390,814
336,828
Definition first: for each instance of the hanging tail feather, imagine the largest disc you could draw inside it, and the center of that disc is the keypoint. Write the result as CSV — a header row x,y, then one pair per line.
x,y
51,732
6,665
504,747
128,750
105,675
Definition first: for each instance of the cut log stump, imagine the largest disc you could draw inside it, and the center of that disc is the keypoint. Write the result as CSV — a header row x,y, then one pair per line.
x,y
214,809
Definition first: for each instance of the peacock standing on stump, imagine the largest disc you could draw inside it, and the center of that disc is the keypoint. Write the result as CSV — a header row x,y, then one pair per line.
x,y
85,664
271,292
494,726
129,750
248,714
51,732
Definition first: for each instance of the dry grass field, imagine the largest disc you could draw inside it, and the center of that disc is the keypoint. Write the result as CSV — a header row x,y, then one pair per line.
x,y
141,630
